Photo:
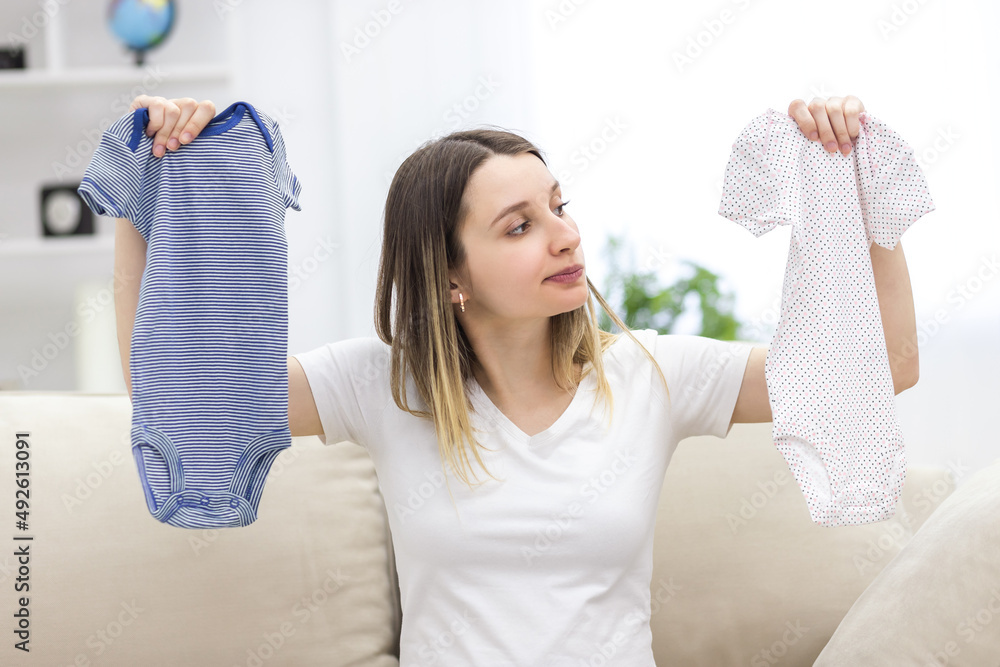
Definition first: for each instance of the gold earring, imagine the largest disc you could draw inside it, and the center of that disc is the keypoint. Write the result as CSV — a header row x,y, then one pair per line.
x,y
461,301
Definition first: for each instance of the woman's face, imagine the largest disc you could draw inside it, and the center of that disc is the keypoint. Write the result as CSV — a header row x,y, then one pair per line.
x,y
512,252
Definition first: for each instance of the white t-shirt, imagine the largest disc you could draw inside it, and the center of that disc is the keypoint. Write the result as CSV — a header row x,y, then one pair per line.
x,y
553,565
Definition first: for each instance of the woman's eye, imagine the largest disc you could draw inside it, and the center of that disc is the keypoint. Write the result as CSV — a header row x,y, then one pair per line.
x,y
528,222
511,233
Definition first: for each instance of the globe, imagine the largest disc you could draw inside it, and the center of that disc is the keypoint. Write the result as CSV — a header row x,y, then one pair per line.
x,y
141,24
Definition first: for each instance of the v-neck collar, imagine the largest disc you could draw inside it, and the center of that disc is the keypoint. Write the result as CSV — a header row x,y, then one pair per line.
x,y
483,401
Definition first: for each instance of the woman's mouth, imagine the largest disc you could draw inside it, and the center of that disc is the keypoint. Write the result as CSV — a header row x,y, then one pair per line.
x,y
566,277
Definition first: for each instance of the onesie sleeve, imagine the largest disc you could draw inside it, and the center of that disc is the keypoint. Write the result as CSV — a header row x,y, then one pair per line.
x,y
757,192
288,184
111,182
347,379
892,189
704,376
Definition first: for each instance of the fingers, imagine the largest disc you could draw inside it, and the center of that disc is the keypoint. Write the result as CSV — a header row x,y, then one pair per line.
x,y
191,126
852,109
187,107
833,122
800,112
173,122
818,109
142,101
166,115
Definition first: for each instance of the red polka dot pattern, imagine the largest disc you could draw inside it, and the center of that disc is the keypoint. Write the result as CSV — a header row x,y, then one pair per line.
x,y
827,370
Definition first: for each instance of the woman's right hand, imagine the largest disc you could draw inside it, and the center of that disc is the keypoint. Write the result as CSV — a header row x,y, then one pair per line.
x,y
174,122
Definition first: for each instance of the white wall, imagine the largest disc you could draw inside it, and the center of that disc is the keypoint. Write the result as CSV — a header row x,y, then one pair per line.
x,y
390,92
571,73
567,73
928,69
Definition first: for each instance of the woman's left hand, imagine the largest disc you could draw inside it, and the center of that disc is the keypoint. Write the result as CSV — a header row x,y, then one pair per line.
x,y
832,121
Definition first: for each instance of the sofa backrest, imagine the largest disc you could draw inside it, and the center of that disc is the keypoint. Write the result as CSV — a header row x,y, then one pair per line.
x,y
310,582
741,572
739,568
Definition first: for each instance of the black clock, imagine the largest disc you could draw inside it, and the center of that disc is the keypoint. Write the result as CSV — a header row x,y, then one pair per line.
x,y
64,213
11,57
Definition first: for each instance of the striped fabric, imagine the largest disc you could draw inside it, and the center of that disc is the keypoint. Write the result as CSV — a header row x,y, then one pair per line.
x,y
209,344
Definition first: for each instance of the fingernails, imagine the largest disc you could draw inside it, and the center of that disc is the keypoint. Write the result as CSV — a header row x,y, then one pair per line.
x,y
158,150
186,137
830,146
845,148
173,144
813,136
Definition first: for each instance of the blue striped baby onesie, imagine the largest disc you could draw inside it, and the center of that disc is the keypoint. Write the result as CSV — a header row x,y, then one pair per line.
x,y
209,347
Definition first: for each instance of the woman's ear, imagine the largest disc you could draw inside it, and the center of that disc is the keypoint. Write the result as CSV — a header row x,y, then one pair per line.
x,y
455,284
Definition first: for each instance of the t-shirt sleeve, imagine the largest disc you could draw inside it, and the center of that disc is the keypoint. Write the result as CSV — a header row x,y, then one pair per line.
x,y
704,376
288,184
348,380
112,180
892,188
756,192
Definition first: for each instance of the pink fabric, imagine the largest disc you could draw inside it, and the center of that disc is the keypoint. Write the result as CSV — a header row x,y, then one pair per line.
x,y
827,370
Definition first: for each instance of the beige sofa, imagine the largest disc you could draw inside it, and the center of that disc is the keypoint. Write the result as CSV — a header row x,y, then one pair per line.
x,y
741,577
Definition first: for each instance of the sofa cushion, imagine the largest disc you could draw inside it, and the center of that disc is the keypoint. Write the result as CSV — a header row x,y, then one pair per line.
x,y
741,574
937,602
310,582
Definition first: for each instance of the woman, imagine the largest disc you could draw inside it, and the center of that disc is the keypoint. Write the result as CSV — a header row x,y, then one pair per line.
x,y
491,348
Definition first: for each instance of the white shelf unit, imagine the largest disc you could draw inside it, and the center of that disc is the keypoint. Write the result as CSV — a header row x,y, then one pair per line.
x,y
107,76
44,277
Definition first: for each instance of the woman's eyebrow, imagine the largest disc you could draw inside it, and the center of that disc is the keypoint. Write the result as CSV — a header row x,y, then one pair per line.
x,y
518,206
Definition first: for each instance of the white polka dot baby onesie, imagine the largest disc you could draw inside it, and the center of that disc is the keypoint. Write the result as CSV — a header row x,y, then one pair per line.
x,y
827,370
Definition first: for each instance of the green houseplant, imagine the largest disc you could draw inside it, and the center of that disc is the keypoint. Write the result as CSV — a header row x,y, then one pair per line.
x,y
642,303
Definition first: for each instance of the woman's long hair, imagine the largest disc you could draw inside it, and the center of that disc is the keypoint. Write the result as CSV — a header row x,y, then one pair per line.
x,y
420,244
